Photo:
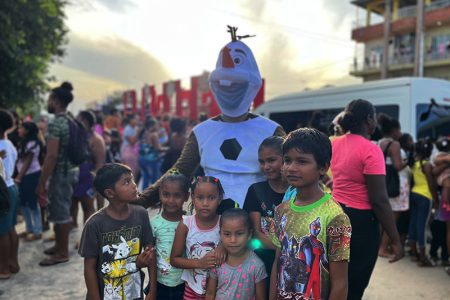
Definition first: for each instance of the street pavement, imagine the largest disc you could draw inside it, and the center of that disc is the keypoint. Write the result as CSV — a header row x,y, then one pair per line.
x,y
401,280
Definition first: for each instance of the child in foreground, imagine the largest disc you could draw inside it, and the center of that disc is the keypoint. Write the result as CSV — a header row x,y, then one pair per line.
x,y
173,193
114,237
311,230
197,237
242,275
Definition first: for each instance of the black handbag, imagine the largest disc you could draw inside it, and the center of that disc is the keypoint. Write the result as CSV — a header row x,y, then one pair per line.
x,y
392,178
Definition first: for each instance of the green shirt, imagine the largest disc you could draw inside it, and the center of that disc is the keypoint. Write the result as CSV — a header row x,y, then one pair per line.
x,y
309,237
164,233
58,128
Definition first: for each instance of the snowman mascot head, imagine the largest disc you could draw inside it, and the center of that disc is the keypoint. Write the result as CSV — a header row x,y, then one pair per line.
x,y
236,79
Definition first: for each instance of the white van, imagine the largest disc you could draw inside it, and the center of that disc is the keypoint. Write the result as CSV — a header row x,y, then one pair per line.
x,y
407,99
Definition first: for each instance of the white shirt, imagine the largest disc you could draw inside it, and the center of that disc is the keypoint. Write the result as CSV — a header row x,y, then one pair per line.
x,y
235,173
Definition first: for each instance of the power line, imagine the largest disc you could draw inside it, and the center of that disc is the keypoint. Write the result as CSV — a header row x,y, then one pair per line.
x,y
327,66
311,34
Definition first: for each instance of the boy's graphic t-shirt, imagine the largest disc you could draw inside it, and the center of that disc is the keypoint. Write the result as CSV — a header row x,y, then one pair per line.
x,y
164,232
116,244
261,198
309,237
198,243
239,282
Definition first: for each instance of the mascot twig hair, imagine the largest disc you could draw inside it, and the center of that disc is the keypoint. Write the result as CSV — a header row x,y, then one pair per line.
x,y
232,30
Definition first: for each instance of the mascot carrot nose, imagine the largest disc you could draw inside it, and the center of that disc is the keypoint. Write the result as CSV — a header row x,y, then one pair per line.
x,y
227,60
236,79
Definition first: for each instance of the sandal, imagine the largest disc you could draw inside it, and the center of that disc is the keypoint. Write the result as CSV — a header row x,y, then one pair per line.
x,y
50,251
33,237
425,263
52,261
4,276
384,254
24,234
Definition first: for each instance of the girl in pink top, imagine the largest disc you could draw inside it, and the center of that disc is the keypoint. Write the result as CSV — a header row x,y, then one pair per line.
x,y
196,238
359,185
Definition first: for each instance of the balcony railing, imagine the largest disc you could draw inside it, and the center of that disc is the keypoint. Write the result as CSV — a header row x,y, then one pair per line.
x,y
436,56
407,12
375,62
437,5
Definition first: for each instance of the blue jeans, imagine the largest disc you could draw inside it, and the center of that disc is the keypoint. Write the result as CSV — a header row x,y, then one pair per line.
x,y
150,171
420,208
32,216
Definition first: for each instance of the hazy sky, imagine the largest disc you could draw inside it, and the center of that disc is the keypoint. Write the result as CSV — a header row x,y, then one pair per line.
x,y
121,44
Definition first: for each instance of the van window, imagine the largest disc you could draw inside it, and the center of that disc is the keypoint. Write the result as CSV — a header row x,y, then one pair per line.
x,y
320,118
390,110
432,123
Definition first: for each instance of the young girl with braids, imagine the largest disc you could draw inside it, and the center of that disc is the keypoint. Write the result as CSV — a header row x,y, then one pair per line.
x,y
174,192
197,237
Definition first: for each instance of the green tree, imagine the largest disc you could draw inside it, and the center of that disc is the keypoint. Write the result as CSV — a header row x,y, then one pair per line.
x,y
32,35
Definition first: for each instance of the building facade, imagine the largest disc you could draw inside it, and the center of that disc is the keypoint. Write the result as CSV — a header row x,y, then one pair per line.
x,y
401,43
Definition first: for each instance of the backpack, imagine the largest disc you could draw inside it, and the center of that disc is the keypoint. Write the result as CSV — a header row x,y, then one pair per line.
x,y
392,178
78,146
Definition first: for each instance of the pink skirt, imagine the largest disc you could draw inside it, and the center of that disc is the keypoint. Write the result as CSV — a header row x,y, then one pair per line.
x,y
189,294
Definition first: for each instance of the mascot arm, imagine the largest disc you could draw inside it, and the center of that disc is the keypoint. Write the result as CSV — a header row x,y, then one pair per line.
x,y
186,164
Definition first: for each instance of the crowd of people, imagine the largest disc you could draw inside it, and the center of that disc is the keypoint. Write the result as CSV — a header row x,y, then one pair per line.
x,y
271,216
419,203
47,186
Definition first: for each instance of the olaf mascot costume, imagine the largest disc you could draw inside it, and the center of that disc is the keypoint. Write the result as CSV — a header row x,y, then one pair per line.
x,y
224,147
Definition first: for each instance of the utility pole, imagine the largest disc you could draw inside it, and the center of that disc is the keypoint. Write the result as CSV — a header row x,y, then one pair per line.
x,y
419,49
386,34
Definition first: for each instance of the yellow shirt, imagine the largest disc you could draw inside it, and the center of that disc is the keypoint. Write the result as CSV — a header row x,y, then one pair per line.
x,y
420,181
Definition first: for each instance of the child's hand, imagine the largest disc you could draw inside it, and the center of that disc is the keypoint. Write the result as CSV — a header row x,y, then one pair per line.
x,y
145,258
221,255
208,261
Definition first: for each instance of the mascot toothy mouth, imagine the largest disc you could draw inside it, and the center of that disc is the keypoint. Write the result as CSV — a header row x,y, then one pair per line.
x,y
230,96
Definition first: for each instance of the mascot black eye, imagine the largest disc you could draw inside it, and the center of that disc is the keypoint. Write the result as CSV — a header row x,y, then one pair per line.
x,y
237,60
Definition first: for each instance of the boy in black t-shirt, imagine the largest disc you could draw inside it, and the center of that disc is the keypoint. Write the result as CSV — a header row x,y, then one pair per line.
x,y
114,237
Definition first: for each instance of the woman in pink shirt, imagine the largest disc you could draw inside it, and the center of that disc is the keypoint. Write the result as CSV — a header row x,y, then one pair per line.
x,y
358,170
